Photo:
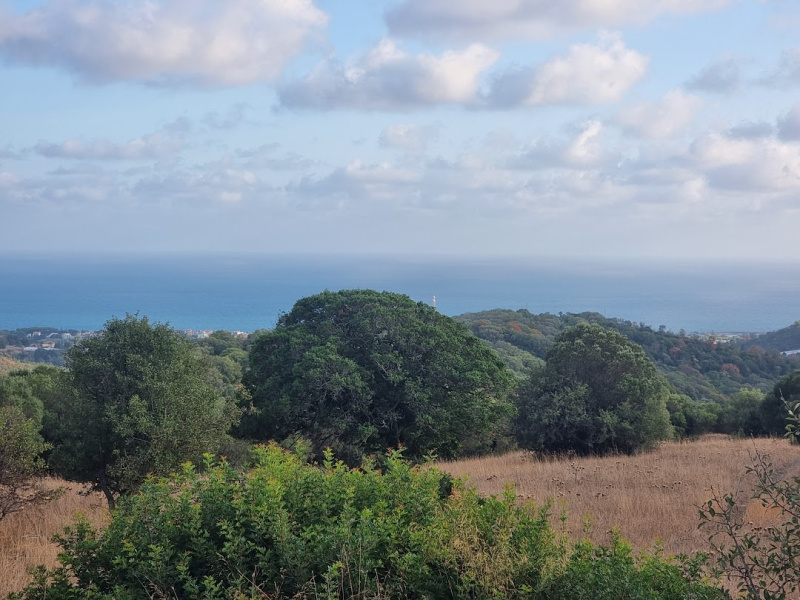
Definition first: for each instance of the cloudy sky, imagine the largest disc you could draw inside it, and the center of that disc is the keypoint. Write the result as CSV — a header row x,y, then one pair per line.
x,y
577,128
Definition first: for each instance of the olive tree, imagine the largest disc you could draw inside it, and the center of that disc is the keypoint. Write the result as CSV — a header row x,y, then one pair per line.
x,y
141,404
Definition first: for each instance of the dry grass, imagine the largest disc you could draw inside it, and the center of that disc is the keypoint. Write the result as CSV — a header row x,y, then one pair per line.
x,y
7,365
648,497
25,535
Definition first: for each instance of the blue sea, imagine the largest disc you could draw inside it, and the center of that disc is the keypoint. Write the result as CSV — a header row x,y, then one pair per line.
x,y
250,292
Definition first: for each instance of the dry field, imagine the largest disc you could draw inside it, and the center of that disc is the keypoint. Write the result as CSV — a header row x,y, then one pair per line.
x,y
648,497
25,535
9,364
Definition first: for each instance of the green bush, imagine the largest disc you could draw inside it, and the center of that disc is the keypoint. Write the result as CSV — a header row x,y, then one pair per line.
x,y
286,529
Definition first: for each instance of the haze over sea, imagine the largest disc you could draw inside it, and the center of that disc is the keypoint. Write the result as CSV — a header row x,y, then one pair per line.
x,y
250,292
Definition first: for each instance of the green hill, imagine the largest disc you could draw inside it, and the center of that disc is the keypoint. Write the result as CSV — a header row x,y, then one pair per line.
x,y
782,340
702,369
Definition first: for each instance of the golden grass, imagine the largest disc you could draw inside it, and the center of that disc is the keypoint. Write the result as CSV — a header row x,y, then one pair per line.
x,y
647,497
7,365
25,536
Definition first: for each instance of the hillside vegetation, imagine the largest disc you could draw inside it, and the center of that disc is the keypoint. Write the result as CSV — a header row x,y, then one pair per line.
x,y
782,340
703,369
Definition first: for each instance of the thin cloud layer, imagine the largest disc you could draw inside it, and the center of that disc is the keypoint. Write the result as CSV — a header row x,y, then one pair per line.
x,y
527,19
154,145
168,42
387,78
586,74
721,77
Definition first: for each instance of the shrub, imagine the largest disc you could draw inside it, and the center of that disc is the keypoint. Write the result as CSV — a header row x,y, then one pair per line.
x,y
286,529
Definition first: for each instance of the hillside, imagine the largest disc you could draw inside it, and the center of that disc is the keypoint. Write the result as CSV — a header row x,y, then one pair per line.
x,y
9,364
703,369
782,340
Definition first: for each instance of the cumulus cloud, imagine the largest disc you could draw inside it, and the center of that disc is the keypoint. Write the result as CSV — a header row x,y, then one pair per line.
x,y
665,118
389,78
154,145
162,42
586,74
527,19
766,165
408,136
720,78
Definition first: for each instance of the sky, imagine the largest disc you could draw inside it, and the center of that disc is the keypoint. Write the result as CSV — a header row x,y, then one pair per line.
x,y
664,129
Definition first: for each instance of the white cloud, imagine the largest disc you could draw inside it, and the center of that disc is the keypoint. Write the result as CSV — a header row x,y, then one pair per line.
x,y
666,118
162,42
586,74
765,165
154,145
408,136
527,19
586,149
389,78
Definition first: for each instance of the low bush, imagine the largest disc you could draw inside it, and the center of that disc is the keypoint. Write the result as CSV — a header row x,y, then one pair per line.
x,y
287,529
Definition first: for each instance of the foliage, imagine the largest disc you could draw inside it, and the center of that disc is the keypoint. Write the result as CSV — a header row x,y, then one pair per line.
x,y
598,392
140,404
773,408
360,371
21,446
287,529
703,368
764,561
742,415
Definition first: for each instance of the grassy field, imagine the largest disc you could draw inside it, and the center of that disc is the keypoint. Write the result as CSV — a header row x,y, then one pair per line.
x,y
25,535
648,497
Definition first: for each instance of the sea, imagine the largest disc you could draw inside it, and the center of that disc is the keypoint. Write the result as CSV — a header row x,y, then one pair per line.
x,y
249,292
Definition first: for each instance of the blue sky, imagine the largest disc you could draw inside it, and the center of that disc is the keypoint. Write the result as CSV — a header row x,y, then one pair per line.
x,y
528,128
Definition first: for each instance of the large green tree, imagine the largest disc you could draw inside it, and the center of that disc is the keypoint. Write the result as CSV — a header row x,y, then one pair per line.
x,y
360,371
597,392
142,404
773,408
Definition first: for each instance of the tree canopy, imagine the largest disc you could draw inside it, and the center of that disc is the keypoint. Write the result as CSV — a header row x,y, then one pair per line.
x,y
142,404
597,392
360,371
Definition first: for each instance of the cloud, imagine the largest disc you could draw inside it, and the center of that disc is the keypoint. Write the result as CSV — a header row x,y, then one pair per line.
x,y
388,78
789,124
751,130
408,136
527,19
587,74
751,165
721,77
154,145
202,43
666,118
787,73
587,148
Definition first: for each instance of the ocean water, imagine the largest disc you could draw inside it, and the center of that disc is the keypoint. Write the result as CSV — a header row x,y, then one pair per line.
x,y
250,292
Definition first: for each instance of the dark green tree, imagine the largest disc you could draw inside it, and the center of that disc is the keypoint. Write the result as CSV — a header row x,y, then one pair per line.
x,y
360,371
142,404
773,408
597,392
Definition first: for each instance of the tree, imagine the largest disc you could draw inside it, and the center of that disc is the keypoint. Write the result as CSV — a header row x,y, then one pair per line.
x,y
21,446
773,408
597,392
142,405
361,371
